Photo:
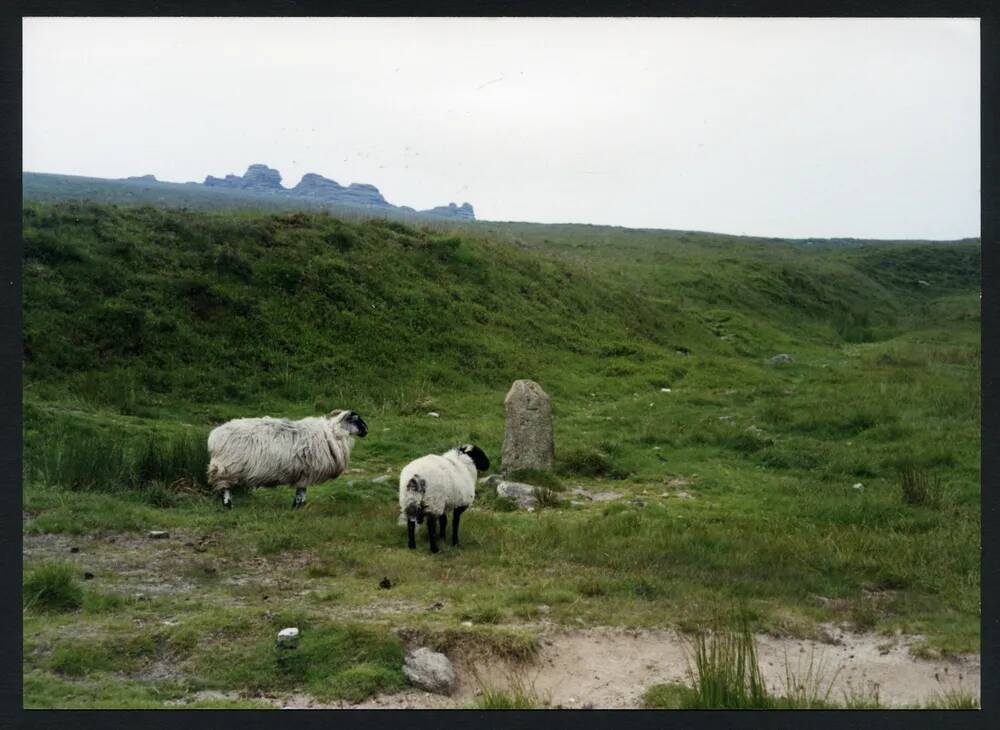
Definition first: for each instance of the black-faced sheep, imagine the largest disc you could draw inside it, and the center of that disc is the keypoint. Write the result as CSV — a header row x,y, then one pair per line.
x,y
433,484
266,452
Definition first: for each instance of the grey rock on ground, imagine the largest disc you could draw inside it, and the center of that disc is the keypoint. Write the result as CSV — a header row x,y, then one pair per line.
x,y
430,671
528,441
523,494
782,359
158,535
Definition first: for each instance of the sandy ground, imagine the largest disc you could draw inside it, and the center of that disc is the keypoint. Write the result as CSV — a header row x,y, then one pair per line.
x,y
607,668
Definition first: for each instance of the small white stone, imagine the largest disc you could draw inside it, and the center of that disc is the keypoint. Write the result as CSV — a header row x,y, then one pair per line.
x,y
859,485
664,390
288,637
466,623
434,414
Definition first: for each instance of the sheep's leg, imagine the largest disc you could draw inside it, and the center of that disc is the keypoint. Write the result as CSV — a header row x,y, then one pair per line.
x,y
431,530
443,525
300,497
454,524
411,534
227,499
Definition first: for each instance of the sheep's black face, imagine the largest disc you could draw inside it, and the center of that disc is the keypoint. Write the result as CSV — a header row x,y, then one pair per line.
x,y
477,455
356,424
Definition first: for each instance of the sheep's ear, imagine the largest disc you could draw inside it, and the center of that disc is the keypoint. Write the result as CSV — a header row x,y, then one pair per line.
x,y
334,414
478,457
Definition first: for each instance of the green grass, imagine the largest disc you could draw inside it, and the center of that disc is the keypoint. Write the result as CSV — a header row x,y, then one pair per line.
x,y
52,587
145,327
727,675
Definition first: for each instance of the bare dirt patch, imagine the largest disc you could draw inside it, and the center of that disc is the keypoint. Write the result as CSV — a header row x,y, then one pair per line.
x,y
606,668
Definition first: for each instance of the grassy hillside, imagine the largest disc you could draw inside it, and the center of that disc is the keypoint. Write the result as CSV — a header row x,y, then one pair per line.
x,y
144,327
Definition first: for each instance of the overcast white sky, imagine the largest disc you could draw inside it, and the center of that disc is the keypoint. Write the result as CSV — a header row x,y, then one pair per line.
x,y
774,127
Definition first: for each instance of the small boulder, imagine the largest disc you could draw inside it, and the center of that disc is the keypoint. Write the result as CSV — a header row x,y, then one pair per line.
x,y
158,535
523,494
430,671
605,496
288,638
782,359
434,414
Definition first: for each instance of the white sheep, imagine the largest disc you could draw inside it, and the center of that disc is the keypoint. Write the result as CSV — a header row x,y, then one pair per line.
x,y
266,452
433,484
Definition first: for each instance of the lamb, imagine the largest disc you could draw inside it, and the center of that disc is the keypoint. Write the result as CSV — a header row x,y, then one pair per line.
x,y
433,484
266,452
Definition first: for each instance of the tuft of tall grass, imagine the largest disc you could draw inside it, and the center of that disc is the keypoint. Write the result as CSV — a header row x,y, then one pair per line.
x,y
918,488
727,674
52,587
106,462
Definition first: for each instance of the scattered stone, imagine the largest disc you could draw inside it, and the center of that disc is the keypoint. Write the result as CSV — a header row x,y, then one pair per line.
x,y
74,549
158,535
436,606
664,390
379,480
385,584
859,485
523,494
434,414
782,359
87,575
683,495
637,502
467,624
921,282
430,671
605,496
528,441
542,608
581,492
288,638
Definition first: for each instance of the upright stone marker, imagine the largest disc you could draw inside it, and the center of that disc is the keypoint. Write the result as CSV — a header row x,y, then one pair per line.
x,y
527,442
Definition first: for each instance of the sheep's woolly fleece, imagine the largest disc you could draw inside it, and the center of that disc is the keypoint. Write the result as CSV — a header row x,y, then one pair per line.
x,y
266,452
449,481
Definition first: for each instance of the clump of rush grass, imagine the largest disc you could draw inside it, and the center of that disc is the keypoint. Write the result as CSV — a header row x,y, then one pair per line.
x,y
918,488
52,587
726,672
518,693
83,461
863,697
806,685
953,699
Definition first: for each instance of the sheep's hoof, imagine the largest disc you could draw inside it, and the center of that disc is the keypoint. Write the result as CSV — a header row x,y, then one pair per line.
x,y
435,549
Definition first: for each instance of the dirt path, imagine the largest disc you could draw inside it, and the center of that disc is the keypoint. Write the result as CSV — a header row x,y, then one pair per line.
x,y
611,669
